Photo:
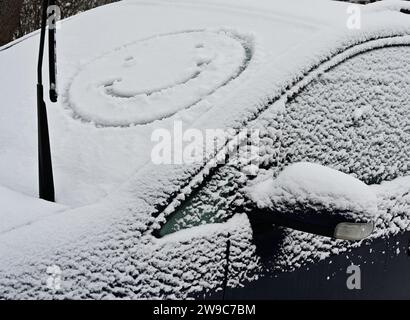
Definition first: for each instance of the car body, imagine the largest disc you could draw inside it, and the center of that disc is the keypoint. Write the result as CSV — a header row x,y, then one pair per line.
x,y
293,71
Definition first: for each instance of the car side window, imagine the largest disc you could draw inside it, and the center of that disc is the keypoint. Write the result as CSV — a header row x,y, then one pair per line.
x,y
354,118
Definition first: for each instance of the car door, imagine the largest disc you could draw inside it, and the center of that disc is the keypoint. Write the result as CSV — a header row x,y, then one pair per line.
x,y
354,118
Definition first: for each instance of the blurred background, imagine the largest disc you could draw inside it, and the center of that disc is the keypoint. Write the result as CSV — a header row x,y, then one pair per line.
x,y
19,17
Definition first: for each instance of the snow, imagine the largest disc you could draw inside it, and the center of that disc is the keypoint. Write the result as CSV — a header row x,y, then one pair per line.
x,y
18,210
374,149
393,5
310,128
309,185
103,244
156,77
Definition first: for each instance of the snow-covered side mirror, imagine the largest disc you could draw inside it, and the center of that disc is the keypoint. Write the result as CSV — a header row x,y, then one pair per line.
x,y
315,199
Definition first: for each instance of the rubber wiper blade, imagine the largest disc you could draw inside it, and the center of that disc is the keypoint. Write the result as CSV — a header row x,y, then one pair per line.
x,y
45,168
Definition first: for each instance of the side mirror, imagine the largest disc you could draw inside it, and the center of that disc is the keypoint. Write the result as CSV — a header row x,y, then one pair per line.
x,y
315,199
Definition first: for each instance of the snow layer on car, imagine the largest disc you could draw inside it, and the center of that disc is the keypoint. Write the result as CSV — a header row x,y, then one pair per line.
x,y
92,244
319,125
18,210
305,185
393,204
394,5
100,161
122,268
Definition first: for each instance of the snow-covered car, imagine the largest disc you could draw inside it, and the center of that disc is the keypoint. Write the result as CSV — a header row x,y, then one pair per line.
x,y
324,84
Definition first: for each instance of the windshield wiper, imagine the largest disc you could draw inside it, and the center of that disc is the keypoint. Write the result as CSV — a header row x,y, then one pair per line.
x,y
45,168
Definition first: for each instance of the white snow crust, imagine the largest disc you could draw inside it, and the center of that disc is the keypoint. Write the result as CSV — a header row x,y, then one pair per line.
x,y
312,185
110,194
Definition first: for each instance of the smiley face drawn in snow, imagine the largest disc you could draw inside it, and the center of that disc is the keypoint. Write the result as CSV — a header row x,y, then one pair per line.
x,y
154,78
